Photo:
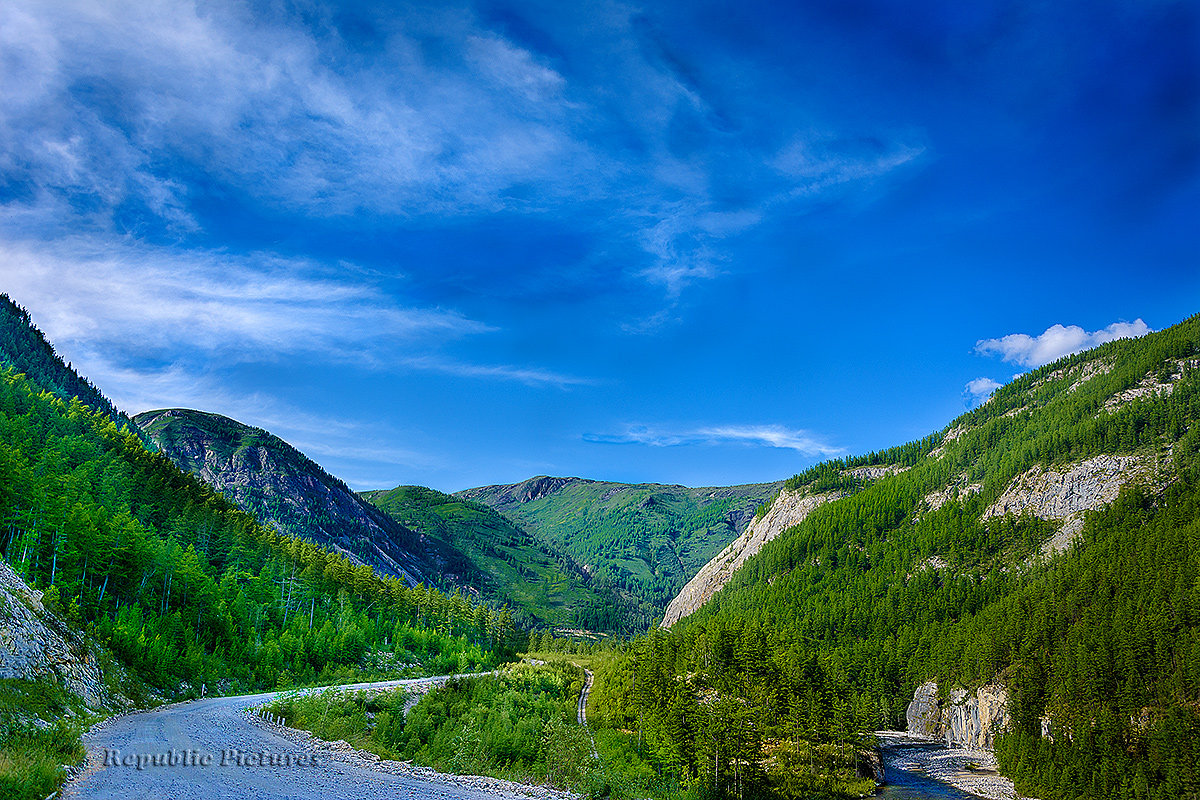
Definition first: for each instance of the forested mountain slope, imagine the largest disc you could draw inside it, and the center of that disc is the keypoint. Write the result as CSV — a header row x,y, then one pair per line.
x,y
25,349
643,541
182,585
542,585
269,478
1047,541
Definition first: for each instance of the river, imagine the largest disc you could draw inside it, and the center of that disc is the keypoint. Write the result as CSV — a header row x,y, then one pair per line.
x,y
907,763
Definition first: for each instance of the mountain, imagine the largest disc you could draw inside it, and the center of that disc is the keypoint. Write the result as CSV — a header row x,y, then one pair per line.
x,y
1027,579
641,541
543,586
284,489
261,473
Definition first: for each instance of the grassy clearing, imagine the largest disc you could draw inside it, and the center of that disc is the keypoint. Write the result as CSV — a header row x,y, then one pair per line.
x,y
40,728
517,725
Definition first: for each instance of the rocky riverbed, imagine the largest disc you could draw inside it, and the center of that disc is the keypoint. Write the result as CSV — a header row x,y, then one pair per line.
x,y
970,770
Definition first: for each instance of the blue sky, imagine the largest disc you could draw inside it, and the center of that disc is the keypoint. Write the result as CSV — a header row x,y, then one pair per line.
x,y
681,242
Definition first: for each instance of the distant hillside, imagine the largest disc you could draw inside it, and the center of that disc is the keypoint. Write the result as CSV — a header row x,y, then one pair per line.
x,y
643,541
543,586
24,348
269,478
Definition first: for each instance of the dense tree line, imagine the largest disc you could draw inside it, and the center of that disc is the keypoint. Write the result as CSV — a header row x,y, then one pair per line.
x,y
185,588
825,633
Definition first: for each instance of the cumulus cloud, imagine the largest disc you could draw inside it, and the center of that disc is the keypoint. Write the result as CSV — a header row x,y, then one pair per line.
x,y
981,388
759,435
1056,341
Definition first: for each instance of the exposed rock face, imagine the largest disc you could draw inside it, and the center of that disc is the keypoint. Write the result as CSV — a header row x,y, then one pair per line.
x,y
954,433
966,719
35,644
1080,373
955,491
875,472
1161,382
790,508
924,712
1066,494
265,476
524,492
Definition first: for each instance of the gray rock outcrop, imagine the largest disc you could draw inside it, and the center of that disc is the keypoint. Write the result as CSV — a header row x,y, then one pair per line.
x,y
789,508
267,477
1067,493
970,719
37,645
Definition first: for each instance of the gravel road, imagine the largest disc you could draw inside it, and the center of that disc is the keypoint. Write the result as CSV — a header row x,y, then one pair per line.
x,y
581,713
210,749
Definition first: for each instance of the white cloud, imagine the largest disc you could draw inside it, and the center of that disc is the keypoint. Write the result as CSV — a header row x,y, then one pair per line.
x,y
981,387
514,68
100,98
1056,341
760,435
157,302
144,322
527,375
135,390
108,111
818,164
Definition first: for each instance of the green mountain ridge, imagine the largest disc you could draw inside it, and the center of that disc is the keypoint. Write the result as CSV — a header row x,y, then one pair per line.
x,y
25,349
1047,541
641,541
542,586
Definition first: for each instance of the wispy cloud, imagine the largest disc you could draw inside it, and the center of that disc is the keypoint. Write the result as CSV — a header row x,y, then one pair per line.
x,y
259,104
1056,341
818,164
137,298
286,111
150,324
526,375
756,435
320,437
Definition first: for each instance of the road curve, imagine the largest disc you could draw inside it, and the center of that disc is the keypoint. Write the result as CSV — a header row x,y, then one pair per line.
x,y
217,731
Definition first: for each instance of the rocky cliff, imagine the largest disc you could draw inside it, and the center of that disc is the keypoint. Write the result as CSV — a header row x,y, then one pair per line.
x,y
964,719
269,478
789,508
37,645
1065,494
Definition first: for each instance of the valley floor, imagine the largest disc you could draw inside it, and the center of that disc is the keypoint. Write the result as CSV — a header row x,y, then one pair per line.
x,y
973,771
